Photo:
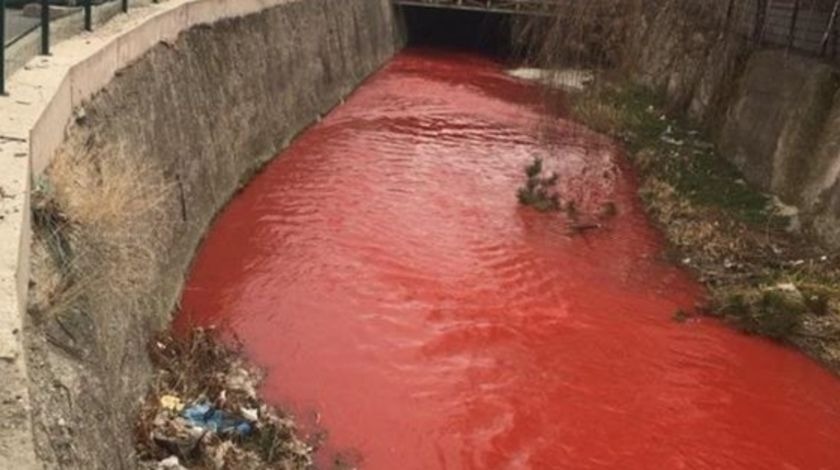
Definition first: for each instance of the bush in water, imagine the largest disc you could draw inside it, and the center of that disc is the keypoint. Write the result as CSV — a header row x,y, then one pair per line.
x,y
538,191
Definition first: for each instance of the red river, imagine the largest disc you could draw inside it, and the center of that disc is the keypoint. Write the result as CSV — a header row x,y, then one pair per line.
x,y
382,273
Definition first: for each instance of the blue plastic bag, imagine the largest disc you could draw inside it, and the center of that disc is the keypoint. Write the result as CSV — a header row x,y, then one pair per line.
x,y
207,417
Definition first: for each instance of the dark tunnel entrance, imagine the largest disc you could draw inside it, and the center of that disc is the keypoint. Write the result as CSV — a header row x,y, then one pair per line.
x,y
477,31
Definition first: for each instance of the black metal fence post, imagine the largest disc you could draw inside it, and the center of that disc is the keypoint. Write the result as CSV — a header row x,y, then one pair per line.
x,y
125,6
88,15
45,27
3,48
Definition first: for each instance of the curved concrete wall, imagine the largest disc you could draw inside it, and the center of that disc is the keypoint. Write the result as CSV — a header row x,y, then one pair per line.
x,y
201,91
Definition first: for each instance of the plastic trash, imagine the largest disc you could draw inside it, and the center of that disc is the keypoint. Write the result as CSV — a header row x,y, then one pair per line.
x,y
171,403
170,463
212,419
251,414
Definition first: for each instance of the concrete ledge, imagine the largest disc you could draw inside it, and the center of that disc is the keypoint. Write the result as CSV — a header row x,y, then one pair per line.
x,y
16,447
34,118
91,75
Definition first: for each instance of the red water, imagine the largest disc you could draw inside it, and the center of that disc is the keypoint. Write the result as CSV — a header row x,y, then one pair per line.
x,y
382,273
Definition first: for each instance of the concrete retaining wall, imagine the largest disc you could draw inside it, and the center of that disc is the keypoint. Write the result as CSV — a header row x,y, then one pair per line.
x,y
775,114
198,94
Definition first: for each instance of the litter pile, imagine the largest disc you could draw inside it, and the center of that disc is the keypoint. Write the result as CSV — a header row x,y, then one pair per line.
x,y
203,412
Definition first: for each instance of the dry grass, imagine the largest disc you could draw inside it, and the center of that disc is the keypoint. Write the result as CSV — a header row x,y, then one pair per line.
x,y
600,116
97,221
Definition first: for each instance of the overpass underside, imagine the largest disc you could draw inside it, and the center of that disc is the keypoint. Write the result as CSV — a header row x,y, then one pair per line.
x,y
514,7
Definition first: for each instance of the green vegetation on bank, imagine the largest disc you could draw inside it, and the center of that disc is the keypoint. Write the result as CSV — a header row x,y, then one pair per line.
x,y
675,149
762,277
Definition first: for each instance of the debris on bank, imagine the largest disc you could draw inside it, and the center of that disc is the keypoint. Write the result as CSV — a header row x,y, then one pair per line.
x,y
203,412
765,275
564,79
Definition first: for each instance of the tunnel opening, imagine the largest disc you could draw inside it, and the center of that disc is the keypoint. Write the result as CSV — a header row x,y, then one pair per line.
x,y
487,33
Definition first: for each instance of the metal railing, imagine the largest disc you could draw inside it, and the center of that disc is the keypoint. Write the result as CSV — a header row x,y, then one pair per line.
x,y
809,26
43,26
